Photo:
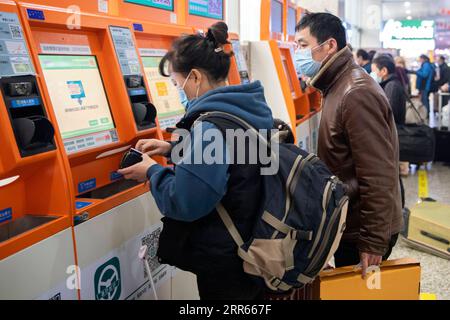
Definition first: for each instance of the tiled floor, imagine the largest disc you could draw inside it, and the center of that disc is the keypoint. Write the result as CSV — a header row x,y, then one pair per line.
x,y
435,270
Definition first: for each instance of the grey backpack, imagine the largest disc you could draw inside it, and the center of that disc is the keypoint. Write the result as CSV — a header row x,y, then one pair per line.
x,y
302,217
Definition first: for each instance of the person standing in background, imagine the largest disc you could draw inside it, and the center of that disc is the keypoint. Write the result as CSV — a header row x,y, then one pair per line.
x,y
383,70
443,78
425,78
402,73
363,59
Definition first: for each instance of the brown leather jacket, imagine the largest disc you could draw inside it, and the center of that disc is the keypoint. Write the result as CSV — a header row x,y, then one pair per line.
x,y
359,143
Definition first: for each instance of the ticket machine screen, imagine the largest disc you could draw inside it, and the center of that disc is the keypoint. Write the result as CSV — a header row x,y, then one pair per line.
x,y
292,21
165,95
79,101
276,20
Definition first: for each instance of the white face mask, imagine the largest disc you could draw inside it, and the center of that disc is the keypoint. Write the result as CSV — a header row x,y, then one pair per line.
x,y
376,77
305,64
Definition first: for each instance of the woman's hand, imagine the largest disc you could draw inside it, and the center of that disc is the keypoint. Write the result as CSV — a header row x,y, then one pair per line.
x,y
153,147
138,172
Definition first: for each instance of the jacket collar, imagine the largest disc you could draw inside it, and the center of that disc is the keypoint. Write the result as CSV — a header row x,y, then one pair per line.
x,y
332,70
390,78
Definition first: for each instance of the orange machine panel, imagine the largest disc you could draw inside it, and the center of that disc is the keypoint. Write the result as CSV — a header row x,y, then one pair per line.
x,y
92,171
102,7
34,190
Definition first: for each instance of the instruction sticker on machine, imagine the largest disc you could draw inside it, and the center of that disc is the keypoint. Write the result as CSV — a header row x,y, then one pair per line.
x,y
14,55
121,275
126,51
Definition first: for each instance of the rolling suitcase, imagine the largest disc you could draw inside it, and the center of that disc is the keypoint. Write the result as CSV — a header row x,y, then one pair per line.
x,y
427,227
442,146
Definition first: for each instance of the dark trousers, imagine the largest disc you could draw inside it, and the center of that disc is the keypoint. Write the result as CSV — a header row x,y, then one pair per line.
x,y
236,286
348,253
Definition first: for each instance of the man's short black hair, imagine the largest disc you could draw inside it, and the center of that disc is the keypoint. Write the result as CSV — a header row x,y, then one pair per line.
x,y
363,54
385,61
442,58
324,26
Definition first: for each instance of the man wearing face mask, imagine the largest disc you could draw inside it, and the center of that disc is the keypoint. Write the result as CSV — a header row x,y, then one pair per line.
x,y
357,140
383,71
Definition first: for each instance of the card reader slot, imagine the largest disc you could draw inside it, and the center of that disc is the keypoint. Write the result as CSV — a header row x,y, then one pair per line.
x,y
23,224
109,190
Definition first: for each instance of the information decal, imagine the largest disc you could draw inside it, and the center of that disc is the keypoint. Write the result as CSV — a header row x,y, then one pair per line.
x,y
126,51
14,56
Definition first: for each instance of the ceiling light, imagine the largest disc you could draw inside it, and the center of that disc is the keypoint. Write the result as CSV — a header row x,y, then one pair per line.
x,y
409,17
407,4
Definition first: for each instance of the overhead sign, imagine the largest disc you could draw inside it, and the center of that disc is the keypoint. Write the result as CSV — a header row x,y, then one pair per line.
x,y
409,30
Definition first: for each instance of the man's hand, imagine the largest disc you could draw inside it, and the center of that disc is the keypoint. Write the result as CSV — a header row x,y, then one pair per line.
x,y
445,87
138,172
153,147
368,260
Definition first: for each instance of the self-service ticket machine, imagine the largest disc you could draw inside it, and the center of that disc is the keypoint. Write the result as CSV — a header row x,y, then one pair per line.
x,y
94,81
200,16
37,259
271,62
285,95
153,40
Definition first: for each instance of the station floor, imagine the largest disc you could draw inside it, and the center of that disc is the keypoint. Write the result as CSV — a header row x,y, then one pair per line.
x,y
435,270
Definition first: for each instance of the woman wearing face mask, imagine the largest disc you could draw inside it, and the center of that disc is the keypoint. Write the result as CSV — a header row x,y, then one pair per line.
x,y
187,195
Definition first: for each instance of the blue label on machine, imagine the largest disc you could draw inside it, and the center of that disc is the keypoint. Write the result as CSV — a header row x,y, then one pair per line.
x,y
35,14
20,103
115,176
87,185
81,204
138,27
137,92
5,215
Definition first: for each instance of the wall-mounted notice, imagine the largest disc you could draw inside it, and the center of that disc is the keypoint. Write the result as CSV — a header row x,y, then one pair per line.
x,y
126,51
14,56
206,8
160,4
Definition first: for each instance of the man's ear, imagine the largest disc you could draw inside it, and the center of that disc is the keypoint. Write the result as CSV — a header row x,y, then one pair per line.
x,y
333,46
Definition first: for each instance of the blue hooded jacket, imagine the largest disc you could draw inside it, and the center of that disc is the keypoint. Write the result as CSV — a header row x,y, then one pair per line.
x,y
192,191
425,77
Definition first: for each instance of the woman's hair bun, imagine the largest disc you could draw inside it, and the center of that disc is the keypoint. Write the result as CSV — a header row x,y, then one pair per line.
x,y
218,33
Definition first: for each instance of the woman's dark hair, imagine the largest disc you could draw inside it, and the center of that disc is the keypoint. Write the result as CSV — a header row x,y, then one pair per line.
x,y
198,51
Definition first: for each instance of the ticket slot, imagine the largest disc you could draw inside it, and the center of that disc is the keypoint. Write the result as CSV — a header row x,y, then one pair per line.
x,y
33,131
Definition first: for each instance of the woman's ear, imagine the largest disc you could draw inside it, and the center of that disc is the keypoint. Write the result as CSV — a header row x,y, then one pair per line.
x,y
197,76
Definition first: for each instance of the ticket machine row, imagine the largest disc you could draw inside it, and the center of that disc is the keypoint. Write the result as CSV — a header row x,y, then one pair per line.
x,y
73,100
